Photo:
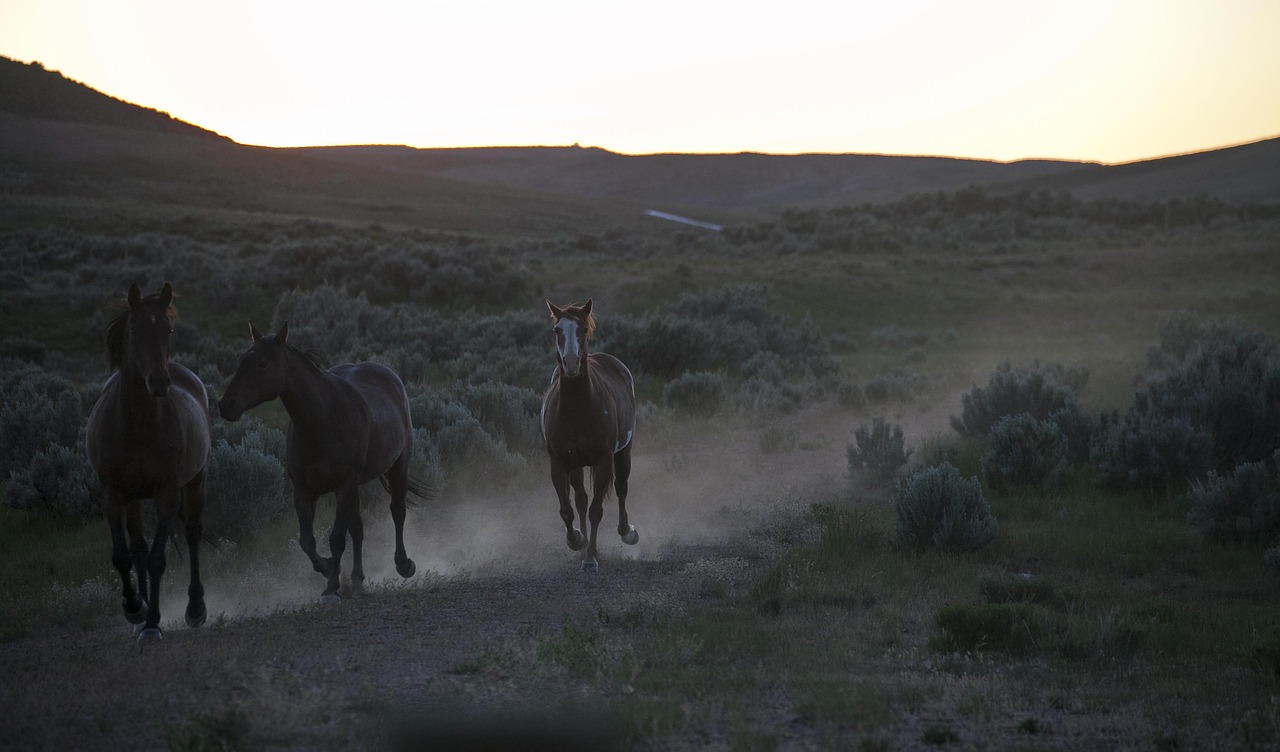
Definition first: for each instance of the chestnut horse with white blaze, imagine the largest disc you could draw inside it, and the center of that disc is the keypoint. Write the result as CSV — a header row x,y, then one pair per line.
x,y
588,421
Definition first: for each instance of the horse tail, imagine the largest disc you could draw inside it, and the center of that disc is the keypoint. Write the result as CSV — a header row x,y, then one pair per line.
x,y
418,487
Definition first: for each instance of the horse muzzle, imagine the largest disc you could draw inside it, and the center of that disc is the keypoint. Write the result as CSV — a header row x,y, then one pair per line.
x,y
229,408
158,385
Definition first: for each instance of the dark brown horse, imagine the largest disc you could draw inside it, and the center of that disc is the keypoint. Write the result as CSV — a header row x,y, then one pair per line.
x,y
148,437
347,426
588,420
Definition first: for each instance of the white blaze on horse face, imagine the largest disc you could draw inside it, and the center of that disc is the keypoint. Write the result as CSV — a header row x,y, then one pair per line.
x,y
567,347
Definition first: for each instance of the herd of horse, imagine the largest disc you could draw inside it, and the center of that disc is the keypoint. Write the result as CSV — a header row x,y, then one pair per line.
x,y
148,437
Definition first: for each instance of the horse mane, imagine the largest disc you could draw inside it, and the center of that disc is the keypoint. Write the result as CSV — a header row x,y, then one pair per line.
x,y
574,311
116,328
312,356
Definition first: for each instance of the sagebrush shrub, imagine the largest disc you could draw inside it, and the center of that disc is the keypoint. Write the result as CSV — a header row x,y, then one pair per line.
x,y
1216,409
1240,507
879,450
1026,453
696,393
58,479
937,508
246,486
1040,391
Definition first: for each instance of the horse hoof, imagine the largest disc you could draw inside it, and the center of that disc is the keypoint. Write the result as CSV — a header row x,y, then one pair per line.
x,y
197,617
150,634
631,537
575,540
136,617
407,568
330,598
590,565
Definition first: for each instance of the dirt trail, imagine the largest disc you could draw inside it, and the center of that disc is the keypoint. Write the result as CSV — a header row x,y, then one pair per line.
x,y
490,569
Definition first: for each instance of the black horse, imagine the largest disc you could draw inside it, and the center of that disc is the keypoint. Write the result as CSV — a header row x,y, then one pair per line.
x,y
148,437
588,420
348,425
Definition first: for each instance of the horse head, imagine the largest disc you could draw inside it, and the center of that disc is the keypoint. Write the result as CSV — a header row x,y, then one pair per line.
x,y
572,326
260,373
145,332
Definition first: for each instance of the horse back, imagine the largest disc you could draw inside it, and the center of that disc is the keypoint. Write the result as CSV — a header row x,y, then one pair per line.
x,y
387,402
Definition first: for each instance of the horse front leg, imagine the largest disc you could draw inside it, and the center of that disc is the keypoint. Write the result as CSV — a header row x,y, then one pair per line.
x,y
135,609
157,561
560,480
346,519
138,550
398,482
193,497
304,503
602,477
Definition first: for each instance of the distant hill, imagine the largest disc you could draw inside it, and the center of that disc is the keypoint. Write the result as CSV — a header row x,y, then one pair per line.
x,y
28,90
702,181
67,151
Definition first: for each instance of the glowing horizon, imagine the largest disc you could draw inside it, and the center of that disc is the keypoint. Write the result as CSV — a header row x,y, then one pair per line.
x,y
1000,80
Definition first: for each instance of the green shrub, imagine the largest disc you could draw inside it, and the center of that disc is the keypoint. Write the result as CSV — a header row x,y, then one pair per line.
x,y
246,486
58,479
1017,627
1240,507
879,451
1040,391
696,393
1215,408
1026,453
936,508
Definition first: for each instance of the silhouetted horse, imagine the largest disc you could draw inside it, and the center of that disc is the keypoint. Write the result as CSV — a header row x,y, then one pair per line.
x,y
148,437
588,420
348,425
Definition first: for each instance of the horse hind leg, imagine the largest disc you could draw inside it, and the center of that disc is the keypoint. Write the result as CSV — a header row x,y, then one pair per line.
x,y
193,497
398,485
622,472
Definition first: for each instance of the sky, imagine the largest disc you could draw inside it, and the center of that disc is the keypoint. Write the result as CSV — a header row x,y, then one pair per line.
x,y
1097,80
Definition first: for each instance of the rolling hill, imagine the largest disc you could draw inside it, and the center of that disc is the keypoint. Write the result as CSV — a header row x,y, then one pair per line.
x,y
68,151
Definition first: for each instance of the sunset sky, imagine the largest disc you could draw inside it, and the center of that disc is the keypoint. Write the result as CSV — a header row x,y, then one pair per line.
x,y
1101,80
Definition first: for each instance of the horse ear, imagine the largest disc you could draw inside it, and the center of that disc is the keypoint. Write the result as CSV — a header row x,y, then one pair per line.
x,y
166,295
556,313
253,332
586,309
135,296
283,335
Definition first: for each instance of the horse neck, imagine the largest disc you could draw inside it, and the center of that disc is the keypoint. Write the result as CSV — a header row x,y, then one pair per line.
x,y
576,391
134,397
309,391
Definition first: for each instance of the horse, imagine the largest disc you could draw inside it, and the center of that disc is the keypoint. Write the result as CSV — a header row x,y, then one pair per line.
x,y
347,426
148,437
588,420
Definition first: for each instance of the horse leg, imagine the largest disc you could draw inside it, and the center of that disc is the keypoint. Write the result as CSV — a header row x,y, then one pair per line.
x,y
621,472
135,610
166,508
193,497
602,477
579,497
138,551
348,504
304,503
398,482
355,529
560,479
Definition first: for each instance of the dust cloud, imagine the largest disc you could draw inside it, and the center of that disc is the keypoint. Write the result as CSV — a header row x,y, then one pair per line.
x,y
687,489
